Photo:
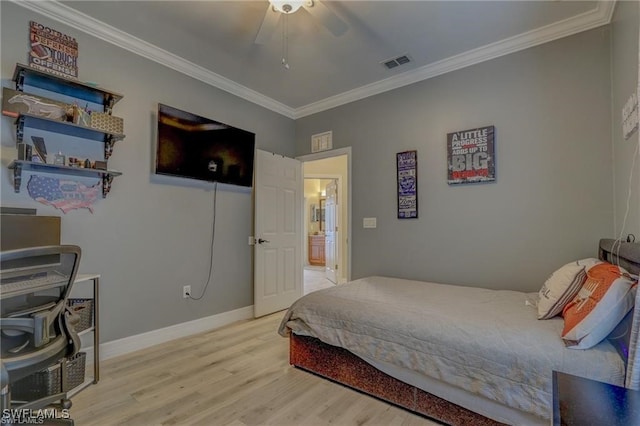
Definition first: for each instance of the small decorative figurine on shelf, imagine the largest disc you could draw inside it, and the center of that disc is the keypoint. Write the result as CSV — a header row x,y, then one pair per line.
x,y
59,159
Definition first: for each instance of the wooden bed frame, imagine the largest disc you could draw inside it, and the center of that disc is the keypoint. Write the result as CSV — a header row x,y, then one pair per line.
x,y
341,366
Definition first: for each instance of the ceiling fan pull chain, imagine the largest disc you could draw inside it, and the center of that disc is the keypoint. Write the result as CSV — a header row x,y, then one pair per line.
x,y
285,43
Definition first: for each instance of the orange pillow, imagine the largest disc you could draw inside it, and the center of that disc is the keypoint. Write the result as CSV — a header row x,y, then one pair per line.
x,y
605,298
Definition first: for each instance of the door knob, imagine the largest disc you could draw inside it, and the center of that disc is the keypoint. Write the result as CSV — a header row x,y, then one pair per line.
x,y
261,241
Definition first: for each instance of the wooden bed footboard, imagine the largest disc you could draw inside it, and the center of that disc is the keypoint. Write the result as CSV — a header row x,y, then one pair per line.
x,y
343,367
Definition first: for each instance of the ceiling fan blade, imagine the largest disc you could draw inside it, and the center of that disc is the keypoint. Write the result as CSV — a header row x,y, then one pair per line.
x,y
269,24
327,18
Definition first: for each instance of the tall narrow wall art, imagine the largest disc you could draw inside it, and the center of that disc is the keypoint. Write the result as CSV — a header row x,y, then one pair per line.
x,y
407,168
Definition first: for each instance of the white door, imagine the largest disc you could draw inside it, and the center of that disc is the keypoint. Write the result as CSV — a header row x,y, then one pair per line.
x,y
331,232
278,233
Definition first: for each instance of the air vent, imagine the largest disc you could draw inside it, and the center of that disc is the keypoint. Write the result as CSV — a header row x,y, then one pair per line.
x,y
391,64
404,59
396,62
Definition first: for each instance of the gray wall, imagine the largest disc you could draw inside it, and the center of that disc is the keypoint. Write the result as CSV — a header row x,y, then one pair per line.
x,y
148,239
624,69
552,200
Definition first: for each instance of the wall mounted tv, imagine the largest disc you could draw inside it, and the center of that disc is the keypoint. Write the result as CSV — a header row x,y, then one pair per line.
x,y
195,147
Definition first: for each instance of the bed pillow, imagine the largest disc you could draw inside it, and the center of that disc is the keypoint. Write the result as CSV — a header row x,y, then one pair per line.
x,y
562,286
605,298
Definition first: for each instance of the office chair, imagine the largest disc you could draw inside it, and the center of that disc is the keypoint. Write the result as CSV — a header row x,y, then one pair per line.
x,y
36,325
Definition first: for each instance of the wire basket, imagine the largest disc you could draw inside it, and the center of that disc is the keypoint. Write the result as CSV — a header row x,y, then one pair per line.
x,y
83,308
49,382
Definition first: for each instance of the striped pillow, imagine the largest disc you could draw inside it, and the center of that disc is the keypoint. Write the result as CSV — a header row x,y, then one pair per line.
x,y
606,297
562,286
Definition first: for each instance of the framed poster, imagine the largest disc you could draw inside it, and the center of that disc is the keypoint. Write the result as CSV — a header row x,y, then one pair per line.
x,y
471,156
407,173
52,51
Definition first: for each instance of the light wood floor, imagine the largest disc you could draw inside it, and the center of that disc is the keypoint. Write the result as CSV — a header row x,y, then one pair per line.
x,y
237,375
315,278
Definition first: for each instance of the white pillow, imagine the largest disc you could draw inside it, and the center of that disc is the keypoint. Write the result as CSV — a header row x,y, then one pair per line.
x,y
562,286
606,297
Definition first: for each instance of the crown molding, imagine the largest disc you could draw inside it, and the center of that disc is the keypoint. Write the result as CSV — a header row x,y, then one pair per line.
x,y
600,15
85,23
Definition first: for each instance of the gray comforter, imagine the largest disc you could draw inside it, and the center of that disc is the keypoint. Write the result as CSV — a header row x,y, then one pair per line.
x,y
488,342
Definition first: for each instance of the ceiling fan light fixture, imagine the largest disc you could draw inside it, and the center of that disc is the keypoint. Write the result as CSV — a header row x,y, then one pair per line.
x,y
288,6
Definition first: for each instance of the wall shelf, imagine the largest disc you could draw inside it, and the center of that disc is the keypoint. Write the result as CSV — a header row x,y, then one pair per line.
x,y
66,128
24,74
18,166
82,92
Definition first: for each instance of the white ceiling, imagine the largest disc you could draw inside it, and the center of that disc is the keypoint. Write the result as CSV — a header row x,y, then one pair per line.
x,y
214,41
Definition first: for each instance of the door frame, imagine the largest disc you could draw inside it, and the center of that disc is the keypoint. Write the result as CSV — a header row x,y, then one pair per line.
x,y
329,154
340,199
331,271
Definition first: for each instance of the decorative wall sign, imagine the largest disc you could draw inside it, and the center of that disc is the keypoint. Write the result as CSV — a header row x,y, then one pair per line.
x,y
63,194
407,168
471,156
52,52
16,102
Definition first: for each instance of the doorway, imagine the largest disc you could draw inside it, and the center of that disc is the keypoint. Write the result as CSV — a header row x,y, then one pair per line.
x,y
319,170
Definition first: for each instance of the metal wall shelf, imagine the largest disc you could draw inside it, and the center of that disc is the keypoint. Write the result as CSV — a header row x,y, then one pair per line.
x,y
24,74
66,128
18,166
28,76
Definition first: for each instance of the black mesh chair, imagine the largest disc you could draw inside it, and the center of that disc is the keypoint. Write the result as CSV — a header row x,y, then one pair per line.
x,y
36,326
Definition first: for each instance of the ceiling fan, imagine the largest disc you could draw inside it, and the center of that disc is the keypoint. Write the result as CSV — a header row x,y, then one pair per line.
x,y
318,10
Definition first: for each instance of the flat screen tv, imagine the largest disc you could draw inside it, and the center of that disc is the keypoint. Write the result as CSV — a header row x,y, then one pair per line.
x,y
195,147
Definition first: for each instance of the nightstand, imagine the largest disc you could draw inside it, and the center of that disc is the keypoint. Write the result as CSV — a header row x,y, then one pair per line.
x,y
584,402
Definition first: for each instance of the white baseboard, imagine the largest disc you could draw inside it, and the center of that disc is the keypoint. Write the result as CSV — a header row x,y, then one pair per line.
x,y
151,338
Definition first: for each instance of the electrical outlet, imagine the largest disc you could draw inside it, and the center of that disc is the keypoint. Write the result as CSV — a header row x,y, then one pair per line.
x,y
186,291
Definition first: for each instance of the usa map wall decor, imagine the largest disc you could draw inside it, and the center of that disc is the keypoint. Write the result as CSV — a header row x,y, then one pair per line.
x,y
471,156
407,167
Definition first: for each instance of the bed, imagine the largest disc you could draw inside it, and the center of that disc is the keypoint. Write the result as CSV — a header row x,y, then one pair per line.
x,y
460,355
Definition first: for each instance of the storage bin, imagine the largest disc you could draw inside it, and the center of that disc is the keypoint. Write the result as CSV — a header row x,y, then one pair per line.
x,y
49,381
83,308
106,123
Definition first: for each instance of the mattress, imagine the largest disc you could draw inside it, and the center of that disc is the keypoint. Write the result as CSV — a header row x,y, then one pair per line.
x,y
485,342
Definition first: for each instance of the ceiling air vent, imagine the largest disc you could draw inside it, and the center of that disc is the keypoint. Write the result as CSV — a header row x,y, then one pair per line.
x,y
396,62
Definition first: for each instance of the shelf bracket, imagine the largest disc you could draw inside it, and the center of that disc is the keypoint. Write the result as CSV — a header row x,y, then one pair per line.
x,y
20,130
20,81
17,178
108,105
106,184
108,146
